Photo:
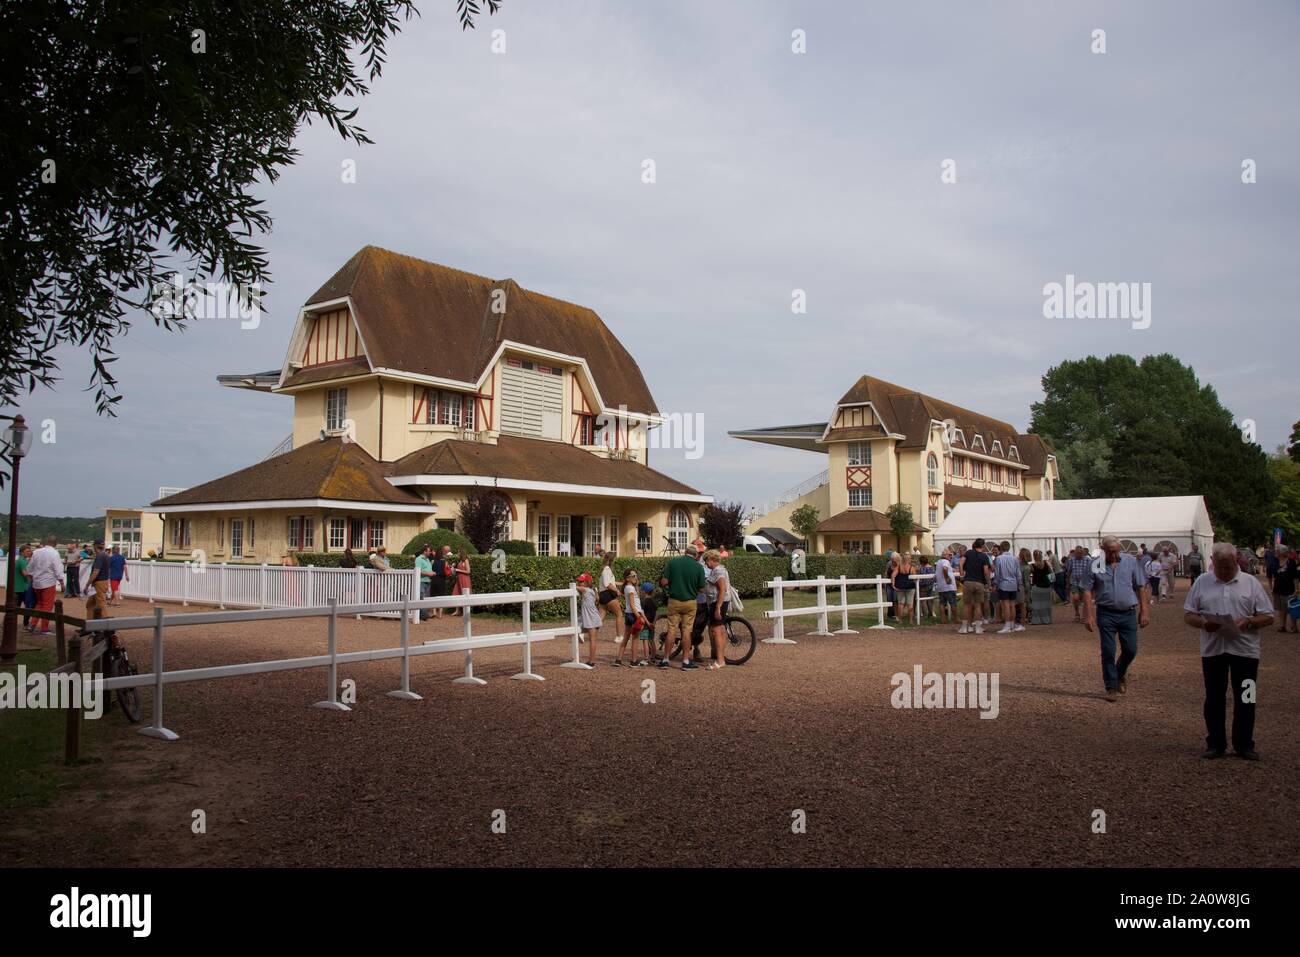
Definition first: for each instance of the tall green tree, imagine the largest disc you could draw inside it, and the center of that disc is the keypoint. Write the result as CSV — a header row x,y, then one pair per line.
x,y
804,521
722,524
1122,427
1285,513
901,521
135,133
1293,443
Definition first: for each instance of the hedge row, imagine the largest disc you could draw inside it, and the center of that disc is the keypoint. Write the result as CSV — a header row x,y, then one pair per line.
x,y
749,572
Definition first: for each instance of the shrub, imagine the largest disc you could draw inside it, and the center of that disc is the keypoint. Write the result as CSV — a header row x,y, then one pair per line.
x,y
484,516
332,559
517,546
438,537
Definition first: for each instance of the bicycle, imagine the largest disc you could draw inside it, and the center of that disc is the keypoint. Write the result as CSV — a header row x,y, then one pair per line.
x,y
118,665
741,641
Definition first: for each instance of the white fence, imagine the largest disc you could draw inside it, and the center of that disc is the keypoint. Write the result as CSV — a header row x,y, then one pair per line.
x,y
405,609
265,586
823,611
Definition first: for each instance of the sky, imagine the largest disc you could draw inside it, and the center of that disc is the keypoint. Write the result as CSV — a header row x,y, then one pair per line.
x,y
775,171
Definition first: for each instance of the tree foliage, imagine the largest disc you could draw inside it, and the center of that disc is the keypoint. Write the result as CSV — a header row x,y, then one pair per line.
x,y
484,517
1122,428
137,132
901,520
804,520
1285,513
1293,443
722,524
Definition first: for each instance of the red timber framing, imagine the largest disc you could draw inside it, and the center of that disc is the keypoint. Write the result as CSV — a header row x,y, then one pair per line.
x,y
333,338
583,414
858,476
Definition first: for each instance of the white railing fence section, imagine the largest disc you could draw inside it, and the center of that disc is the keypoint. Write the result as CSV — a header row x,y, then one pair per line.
x,y
822,610
406,610
267,586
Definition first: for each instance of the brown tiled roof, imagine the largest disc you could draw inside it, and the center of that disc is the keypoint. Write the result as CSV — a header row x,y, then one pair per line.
x,y
423,318
909,412
860,520
332,370
535,460
954,495
1034,452
855,432
331,469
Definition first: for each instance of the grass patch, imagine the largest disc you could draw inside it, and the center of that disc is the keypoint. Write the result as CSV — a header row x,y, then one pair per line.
x,y
31,746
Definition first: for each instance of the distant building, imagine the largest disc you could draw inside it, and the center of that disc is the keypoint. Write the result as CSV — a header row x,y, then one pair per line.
x,y
412,383
888,444
134,530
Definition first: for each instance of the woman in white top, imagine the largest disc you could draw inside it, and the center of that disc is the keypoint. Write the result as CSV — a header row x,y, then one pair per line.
x,y
633,618
717,588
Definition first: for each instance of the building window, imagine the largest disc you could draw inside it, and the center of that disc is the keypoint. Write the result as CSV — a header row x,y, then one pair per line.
x,y
338,533
977,470
1047,490
934,515
997,474
448,408
679,526
1013,454
181,533
1013,478
295,531
543,534
586,430
853,546
977,443
449,404
221,534
252,533
859,453
959,465
357,540
932,470
236,538
958,436
562,544
336,409
449,524
997,447
644,537
613,534
860,497
302,532
377,532
595,534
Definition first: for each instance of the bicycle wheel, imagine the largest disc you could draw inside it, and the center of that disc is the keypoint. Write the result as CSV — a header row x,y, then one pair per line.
x,y
741,641
128,698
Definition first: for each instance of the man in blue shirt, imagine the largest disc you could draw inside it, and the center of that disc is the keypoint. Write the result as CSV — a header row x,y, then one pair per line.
x,y
1116,606
1006,579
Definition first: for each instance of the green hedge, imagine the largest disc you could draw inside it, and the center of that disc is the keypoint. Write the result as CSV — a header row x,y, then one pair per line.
x,y
517,546
333,559
749,572
438,537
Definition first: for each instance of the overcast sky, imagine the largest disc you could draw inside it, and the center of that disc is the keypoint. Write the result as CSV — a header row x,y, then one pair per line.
x,y
775,172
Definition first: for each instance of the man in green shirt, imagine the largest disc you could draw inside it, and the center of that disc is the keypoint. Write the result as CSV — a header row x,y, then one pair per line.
x,y
23,583
424,565
683,579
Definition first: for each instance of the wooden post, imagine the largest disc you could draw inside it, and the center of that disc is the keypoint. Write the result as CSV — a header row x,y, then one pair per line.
x,y
72,734
60,642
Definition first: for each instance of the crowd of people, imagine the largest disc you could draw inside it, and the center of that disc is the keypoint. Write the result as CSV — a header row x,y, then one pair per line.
x,y
695,592
92,572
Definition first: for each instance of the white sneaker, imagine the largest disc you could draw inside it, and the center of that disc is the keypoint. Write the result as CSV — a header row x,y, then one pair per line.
x,y
979,627
1019,628
963,630
1005,630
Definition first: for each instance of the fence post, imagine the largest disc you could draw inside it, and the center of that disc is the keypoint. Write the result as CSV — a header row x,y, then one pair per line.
x,y
574,624
72,734
823,625
311,586
156,730
221,588
778,621
844,605
261,586
360,599
60,644
468,677
332,703
880,607
153,571
415,587
405,693
527,673
185,589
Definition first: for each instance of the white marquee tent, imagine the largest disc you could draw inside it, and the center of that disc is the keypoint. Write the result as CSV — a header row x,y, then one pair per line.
x,y
1061,524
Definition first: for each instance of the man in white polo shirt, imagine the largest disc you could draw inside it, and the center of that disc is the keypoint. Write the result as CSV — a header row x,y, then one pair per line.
x,y
1229,607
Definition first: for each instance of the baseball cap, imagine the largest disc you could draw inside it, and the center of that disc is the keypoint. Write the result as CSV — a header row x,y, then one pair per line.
x,y
584,577
647,587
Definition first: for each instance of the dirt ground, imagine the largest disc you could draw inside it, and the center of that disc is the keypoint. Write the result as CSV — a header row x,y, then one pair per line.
x,y
713,772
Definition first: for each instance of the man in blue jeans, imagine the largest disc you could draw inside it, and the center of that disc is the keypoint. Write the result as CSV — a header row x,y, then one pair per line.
x,y
1116,606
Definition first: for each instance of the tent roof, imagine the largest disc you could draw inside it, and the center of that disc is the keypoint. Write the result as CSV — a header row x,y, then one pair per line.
x,y
1183,516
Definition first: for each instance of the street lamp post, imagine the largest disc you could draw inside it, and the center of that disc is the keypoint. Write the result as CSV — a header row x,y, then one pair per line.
x,y
18,439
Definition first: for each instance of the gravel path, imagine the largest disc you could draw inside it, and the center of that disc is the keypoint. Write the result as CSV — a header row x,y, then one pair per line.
x,y
711,773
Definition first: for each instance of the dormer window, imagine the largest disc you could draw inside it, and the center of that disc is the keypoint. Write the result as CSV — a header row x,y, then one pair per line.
x,y
1013,454
336,409
958,436
448,408
977,443
997,447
